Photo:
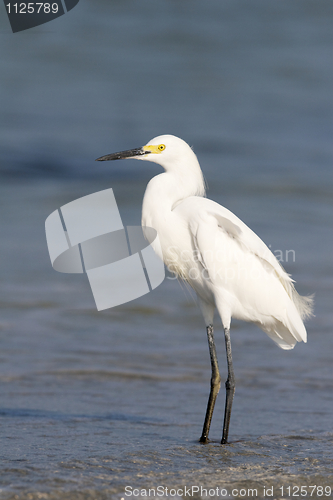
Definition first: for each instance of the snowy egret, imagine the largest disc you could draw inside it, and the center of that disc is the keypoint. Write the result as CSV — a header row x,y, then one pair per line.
x,y
227,264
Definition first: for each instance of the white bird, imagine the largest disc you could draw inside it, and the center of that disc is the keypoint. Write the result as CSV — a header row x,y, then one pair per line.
x,y
227,264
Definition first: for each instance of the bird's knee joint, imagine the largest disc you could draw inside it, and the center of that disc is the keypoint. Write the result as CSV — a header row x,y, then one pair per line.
x,y
215,381
230,385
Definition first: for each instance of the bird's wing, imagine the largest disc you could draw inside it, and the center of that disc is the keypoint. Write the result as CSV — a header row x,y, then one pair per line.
x,y
235,228
206,218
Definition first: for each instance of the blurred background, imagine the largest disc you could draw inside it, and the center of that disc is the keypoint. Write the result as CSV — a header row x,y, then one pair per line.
x,y
91,402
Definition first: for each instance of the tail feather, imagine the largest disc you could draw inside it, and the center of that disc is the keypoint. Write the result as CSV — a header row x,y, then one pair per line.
x,y
281,336
304,305
288,331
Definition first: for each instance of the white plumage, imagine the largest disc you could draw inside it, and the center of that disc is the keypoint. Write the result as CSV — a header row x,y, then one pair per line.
x,y
224,261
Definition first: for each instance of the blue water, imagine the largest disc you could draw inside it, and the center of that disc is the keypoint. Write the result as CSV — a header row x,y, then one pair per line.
x,y
91,402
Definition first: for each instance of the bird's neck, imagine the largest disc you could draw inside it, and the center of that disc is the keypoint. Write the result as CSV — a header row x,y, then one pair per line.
x,y
165,191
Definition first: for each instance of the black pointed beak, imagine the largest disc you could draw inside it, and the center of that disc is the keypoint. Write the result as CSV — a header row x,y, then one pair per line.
x,y
131,153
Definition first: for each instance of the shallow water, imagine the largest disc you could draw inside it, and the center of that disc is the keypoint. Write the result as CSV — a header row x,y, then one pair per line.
x,y
92,402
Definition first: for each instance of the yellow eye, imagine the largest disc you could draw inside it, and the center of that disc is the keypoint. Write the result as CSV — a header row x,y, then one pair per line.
x,y
161,147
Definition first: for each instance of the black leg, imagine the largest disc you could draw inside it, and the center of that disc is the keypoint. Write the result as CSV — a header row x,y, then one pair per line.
x,y
215,384
230,387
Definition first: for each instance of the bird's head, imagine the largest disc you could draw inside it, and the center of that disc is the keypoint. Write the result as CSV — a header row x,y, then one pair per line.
x,y
167,150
